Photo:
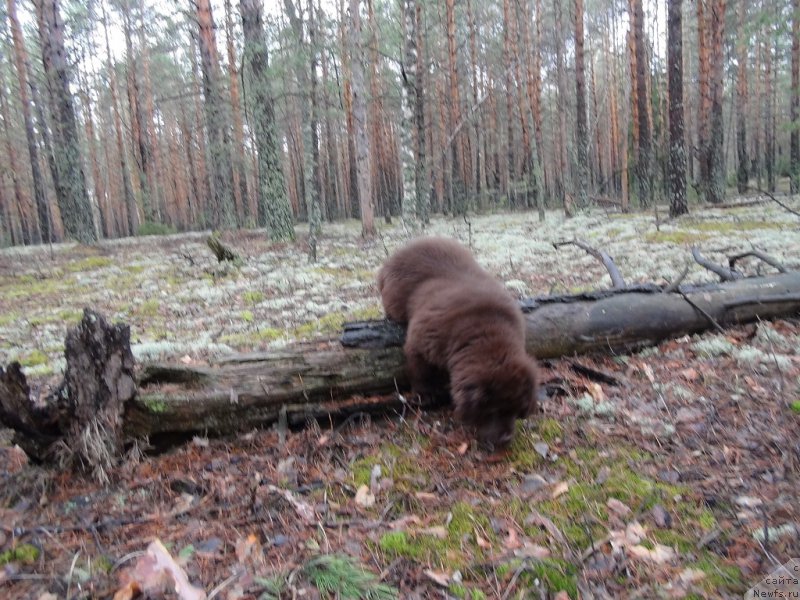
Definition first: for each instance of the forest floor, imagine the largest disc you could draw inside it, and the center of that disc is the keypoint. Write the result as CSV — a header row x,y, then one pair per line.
x,y
679,478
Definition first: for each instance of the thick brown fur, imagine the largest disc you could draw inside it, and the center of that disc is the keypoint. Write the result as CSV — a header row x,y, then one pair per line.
x,y
462,324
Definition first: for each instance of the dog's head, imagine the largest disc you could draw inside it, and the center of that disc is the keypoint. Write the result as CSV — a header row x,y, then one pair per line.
x,y
491,400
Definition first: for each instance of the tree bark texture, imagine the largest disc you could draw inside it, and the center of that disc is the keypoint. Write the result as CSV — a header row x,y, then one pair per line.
x,y
676,168
71,194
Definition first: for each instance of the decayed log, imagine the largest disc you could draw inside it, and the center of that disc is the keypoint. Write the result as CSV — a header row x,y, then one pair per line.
x,y
339,377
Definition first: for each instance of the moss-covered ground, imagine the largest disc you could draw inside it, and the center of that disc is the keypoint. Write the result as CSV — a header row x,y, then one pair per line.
x,y
661,486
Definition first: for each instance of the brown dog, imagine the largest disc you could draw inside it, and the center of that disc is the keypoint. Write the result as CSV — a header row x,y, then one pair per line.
x,y
462,323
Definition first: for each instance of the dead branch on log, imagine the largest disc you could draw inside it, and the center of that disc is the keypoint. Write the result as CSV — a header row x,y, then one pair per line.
x,y
765,258
220,250
617,282
725,274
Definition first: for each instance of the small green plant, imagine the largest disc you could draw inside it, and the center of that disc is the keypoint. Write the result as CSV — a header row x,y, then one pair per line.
x,y
149,308
24,553
339,576
253,296
795,406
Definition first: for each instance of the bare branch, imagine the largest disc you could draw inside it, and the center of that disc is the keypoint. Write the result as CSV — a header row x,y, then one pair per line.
x,y
725,274
617,282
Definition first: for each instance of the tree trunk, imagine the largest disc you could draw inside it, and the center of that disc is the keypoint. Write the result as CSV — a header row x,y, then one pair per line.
x,y
561,108
274,210
315,380
221,211
20,198
794,167
743,169
581,127
644,174
361,141
44,233
73,200
677,151
239,172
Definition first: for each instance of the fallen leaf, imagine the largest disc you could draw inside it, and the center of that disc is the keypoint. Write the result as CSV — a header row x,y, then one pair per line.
x,y
404,522
246,547
595,391
437,531
439,578
462,449
690,576
560,488
186,359
617,507
602,475
562,595
482,542
658,554
648,372
689,374
127,592
157,572
48,596
748,501
303,509
364,497
426,496
512,541
529,550
323,439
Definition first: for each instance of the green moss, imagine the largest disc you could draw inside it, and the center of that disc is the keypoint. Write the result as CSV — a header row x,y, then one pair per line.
x,y
248,338
135,269
89,263
463,521
362,470
34,358
795,406
675,237
523,455
149,308
719,574
329,324
155,406
103,564
247,316
9,318
24,553
717,226
253,296
707,520
70,316
365,314
550,430
559,575
673,539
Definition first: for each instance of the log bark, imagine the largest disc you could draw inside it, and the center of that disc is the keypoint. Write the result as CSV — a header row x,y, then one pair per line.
x,y
364,371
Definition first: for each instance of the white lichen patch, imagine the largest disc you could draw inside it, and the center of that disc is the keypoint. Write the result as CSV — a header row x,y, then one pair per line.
x,y
712,346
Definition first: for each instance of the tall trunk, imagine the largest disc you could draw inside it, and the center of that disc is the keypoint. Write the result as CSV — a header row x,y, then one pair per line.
x,y
644,175
509,174
73,200
795,100
743,169
20,198
147,103
239,172
44,232
132,222
221,211
204,199
536,104
561,166
676,166
715,192
361,142
476,156
274,210
454,103
314,210
581,127
769,137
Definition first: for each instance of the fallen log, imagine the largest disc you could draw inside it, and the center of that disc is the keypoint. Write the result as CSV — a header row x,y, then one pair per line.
x,y
316,380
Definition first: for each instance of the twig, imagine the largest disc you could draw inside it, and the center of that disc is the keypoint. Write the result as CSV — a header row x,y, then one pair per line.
x,y
673,286
772,262
774,199
724,273
617,282
592,373
711,319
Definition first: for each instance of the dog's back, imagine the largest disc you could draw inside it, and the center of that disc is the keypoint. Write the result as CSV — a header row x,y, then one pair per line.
x,y
421,260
